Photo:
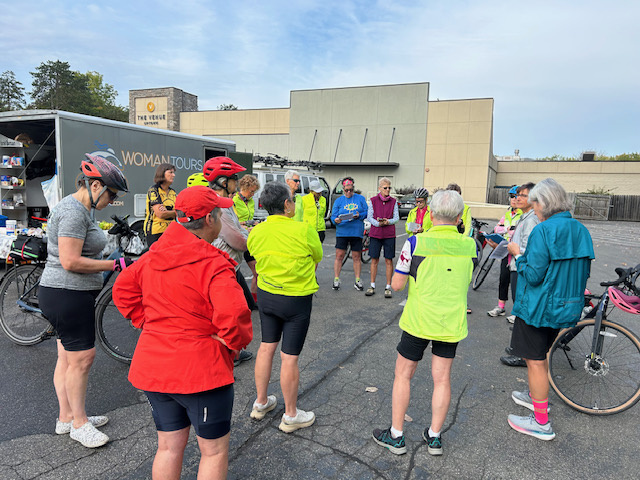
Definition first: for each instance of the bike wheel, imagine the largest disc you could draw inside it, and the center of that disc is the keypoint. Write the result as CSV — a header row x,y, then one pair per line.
x,y
365,249
346,255
610,383
117,337
19,323
479,252
482,273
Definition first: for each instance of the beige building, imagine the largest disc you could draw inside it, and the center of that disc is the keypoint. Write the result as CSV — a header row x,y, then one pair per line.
x,y
367,133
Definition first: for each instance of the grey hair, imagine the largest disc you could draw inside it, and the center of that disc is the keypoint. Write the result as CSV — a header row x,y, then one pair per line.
x,y
446,205
289,175
273,196
198,223
551,196
384,180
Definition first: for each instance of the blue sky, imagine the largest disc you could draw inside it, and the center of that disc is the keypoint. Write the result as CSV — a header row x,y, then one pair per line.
x,y
564,74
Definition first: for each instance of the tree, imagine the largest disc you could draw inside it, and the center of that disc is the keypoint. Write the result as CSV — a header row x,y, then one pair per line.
x,y
57,87
11,92
227,106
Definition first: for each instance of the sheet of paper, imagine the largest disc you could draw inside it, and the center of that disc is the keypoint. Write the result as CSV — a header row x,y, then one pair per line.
x,y
345,216
500,251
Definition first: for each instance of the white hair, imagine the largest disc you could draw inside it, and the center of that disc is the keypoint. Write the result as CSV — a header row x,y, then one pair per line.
x,y
384,181
551,196
289,175
446,205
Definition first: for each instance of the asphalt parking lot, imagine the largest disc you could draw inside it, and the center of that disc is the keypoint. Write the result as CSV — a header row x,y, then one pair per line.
x,y
350,346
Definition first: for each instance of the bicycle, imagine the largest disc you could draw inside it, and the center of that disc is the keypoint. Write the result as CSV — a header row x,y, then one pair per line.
x,y
481,242
479,237
594,367
24,323
366,240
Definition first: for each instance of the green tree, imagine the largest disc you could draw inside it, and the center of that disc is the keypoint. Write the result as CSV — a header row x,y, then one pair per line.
x,y
104,96
11,92
227,106
57,87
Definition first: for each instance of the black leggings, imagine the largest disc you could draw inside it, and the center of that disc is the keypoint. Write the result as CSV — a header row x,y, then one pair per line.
x,y
505,277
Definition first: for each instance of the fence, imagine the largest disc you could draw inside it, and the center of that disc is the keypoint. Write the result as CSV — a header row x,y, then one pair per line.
x,y
588,206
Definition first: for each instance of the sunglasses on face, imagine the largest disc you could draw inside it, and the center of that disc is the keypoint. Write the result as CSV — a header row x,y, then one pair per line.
x,y
512,195
113,194
386,188
297,180
348,189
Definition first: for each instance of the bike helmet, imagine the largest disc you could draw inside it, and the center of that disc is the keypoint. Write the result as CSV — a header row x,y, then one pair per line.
x,y
197,179
514,190
421,193
98,168
217,167
627,303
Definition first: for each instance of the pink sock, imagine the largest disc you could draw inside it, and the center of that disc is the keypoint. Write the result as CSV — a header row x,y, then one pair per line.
x,y
501,303
540,410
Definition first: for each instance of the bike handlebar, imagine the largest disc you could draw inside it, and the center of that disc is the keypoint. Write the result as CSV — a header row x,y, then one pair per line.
x,y
627,276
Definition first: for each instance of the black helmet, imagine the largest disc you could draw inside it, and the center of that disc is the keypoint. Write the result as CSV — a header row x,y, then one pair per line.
x,y
100,169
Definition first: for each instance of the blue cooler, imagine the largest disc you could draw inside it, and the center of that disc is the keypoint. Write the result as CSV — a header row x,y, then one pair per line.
x,y
3,220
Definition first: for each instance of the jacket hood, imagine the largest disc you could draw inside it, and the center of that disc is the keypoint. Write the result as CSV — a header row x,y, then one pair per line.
x,y
178,247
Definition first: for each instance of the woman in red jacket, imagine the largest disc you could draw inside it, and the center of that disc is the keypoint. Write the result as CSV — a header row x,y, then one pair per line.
x,y
184,296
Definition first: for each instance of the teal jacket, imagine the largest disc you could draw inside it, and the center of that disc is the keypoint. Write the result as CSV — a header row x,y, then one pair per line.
x,y
553,273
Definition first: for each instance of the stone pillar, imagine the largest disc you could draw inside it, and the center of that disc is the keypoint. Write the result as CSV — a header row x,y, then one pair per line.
x,y
160,107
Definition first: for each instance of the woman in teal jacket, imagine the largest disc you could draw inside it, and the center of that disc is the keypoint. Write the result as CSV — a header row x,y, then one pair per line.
x,y
552,276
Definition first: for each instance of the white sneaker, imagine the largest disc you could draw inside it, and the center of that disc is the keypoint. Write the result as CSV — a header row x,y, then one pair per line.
x,y
511,319
259,411
88,435
496,311
301,420
65,427
336,284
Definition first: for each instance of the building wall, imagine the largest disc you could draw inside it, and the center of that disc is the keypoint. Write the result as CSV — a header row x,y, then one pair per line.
x,y
369,125
268,121
160,107
459,146
620,177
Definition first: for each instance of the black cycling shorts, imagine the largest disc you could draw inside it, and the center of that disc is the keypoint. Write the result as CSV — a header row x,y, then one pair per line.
x,y
72,314
412,348
284,317
343,242
531,342
209,412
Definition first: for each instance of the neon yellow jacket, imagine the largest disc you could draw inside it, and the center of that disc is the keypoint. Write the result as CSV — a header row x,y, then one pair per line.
x,y
413,215
441,269
244,211
313,215
286,254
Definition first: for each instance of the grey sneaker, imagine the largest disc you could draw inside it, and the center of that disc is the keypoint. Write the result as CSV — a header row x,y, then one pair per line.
x,y
529,426
63,428
88,435
524,399
387,293
434,444
301,420
358,285
370,291
511,319
336,284
496,311
259,411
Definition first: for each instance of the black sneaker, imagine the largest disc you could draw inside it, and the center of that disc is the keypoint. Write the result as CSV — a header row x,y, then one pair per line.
x,y
434,444
384,439
243,357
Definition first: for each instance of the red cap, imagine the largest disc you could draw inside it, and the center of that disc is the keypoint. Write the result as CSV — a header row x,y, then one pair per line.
x,y
195,202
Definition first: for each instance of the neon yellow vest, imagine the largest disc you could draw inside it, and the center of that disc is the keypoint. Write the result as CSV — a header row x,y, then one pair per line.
x,y
441,269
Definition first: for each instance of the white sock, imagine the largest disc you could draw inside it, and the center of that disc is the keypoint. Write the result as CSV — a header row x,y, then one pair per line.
x,y
396,433
388,287
291,418
373,284
433,434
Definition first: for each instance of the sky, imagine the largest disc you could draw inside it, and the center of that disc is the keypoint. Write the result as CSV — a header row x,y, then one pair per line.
x,y
564,75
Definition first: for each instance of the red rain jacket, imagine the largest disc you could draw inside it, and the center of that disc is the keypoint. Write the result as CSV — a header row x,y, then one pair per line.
x,y
180,293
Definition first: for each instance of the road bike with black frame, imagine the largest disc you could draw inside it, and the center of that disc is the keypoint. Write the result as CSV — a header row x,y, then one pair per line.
x,y
366,240
24,323
481,242
594,367
479,237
